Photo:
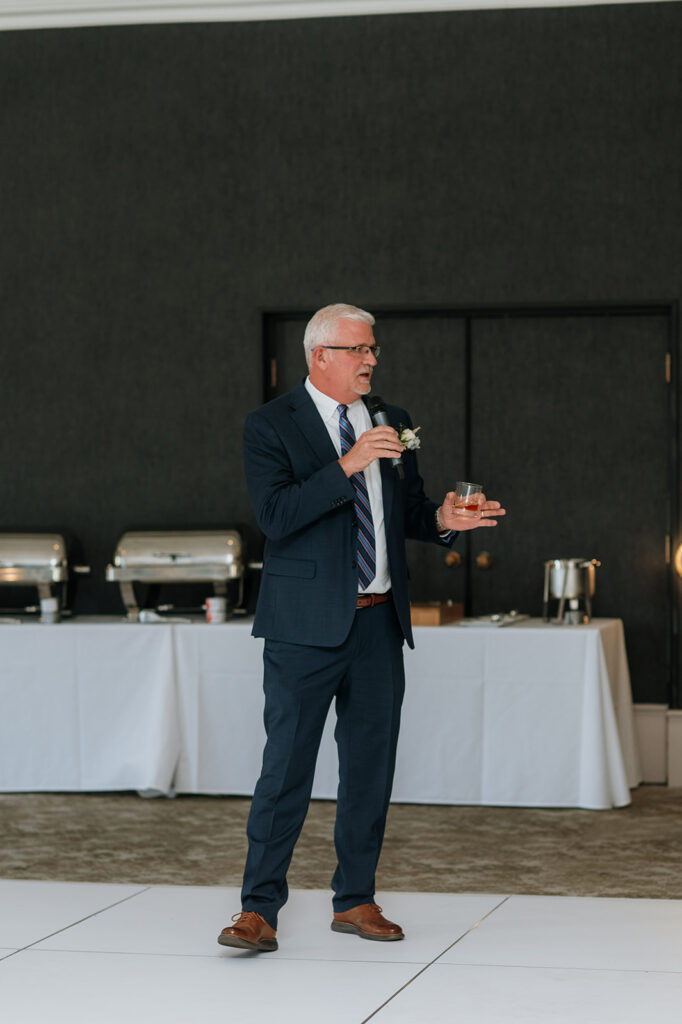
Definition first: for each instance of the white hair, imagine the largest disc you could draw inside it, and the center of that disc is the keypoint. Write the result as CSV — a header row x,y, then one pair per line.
x,y
321,328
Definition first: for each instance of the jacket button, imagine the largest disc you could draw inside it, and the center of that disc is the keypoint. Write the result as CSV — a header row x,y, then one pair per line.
x,y
353,565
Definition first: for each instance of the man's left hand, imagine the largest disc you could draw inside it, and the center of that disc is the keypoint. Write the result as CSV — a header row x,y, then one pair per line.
x,y
449,520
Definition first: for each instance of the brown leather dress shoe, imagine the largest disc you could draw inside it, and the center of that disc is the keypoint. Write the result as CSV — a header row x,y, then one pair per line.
x,y
368,922
249,931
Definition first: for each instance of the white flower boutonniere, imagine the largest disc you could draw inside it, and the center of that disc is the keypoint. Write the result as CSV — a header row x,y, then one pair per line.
x,y
408,438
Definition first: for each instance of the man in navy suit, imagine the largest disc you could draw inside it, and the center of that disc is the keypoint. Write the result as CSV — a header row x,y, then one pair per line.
x,y
334,610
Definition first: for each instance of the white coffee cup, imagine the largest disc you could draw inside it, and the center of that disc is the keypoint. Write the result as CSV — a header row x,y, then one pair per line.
x,y
49,609
216,609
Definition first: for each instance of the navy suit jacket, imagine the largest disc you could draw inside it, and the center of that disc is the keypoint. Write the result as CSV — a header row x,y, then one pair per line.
x,y
304,504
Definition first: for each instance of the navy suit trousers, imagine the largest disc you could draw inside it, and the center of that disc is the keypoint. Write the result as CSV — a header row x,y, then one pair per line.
x,y
365,676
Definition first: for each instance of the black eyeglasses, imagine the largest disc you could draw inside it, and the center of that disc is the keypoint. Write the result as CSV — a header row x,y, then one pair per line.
x,y
360,350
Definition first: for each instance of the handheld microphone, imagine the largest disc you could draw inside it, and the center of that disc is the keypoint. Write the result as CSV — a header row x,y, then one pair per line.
x,y
377,411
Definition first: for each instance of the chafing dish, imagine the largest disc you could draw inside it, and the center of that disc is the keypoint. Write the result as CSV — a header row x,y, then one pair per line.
x,y
36,560
177,556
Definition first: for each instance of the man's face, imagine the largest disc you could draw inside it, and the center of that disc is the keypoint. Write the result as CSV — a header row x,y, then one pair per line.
x,y
341,374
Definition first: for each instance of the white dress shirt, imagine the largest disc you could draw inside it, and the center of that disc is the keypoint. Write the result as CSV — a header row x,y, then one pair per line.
x,y
361,421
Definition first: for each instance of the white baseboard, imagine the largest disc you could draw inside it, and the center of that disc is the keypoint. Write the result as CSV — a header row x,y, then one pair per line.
x,y
651,731
674,748
658,731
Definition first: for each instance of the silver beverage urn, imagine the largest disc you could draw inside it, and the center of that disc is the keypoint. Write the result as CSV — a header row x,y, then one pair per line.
x,y
570,581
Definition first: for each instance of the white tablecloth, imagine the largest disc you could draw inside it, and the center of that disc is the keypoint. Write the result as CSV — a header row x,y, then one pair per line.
x,y
87,705
529,715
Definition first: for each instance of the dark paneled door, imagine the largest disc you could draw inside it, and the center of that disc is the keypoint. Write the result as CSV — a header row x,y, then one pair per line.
x,y
566,418
570,425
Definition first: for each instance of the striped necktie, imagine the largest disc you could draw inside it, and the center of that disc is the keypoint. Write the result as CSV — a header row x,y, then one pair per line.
x,y
367,560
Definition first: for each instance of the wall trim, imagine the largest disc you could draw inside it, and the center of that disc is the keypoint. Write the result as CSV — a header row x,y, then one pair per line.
x,y
675,748
80,13
651,733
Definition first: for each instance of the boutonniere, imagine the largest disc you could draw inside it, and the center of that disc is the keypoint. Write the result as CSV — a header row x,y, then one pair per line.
x,y
408,438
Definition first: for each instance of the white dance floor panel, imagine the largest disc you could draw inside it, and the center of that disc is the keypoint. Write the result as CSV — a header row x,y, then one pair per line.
x,y
580,934
31,910
185,921
103,954
513,995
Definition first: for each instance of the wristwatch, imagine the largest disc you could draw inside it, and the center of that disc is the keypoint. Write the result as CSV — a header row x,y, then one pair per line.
x,y
439,525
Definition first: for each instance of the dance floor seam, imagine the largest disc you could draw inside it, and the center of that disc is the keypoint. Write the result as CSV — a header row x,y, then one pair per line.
x,y
74,924
245,955
436,959
405,963
488,957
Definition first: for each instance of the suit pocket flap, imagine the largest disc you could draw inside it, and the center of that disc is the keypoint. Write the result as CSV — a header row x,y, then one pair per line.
x,y
300,567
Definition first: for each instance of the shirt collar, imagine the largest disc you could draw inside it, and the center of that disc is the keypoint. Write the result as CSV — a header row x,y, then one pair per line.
x,y
326,406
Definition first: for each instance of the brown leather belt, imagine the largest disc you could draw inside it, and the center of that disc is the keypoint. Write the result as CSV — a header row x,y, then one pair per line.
x,y
369,600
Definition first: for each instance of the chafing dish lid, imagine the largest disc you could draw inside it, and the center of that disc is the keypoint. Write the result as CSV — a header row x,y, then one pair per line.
x,y
32,550
142,549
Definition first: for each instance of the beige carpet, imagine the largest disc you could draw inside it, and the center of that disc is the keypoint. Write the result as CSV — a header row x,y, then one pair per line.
x,y
635,851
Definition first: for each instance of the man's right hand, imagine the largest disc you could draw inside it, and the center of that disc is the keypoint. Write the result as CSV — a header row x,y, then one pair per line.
x,y
377,443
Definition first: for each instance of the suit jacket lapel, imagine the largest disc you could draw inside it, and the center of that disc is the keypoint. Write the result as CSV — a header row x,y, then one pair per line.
x,y
311,425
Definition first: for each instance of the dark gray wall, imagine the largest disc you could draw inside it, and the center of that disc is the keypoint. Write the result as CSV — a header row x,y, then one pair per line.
x,y
162,185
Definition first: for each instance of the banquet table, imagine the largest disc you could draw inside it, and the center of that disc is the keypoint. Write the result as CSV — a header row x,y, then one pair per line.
x,y
526,715
87,704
